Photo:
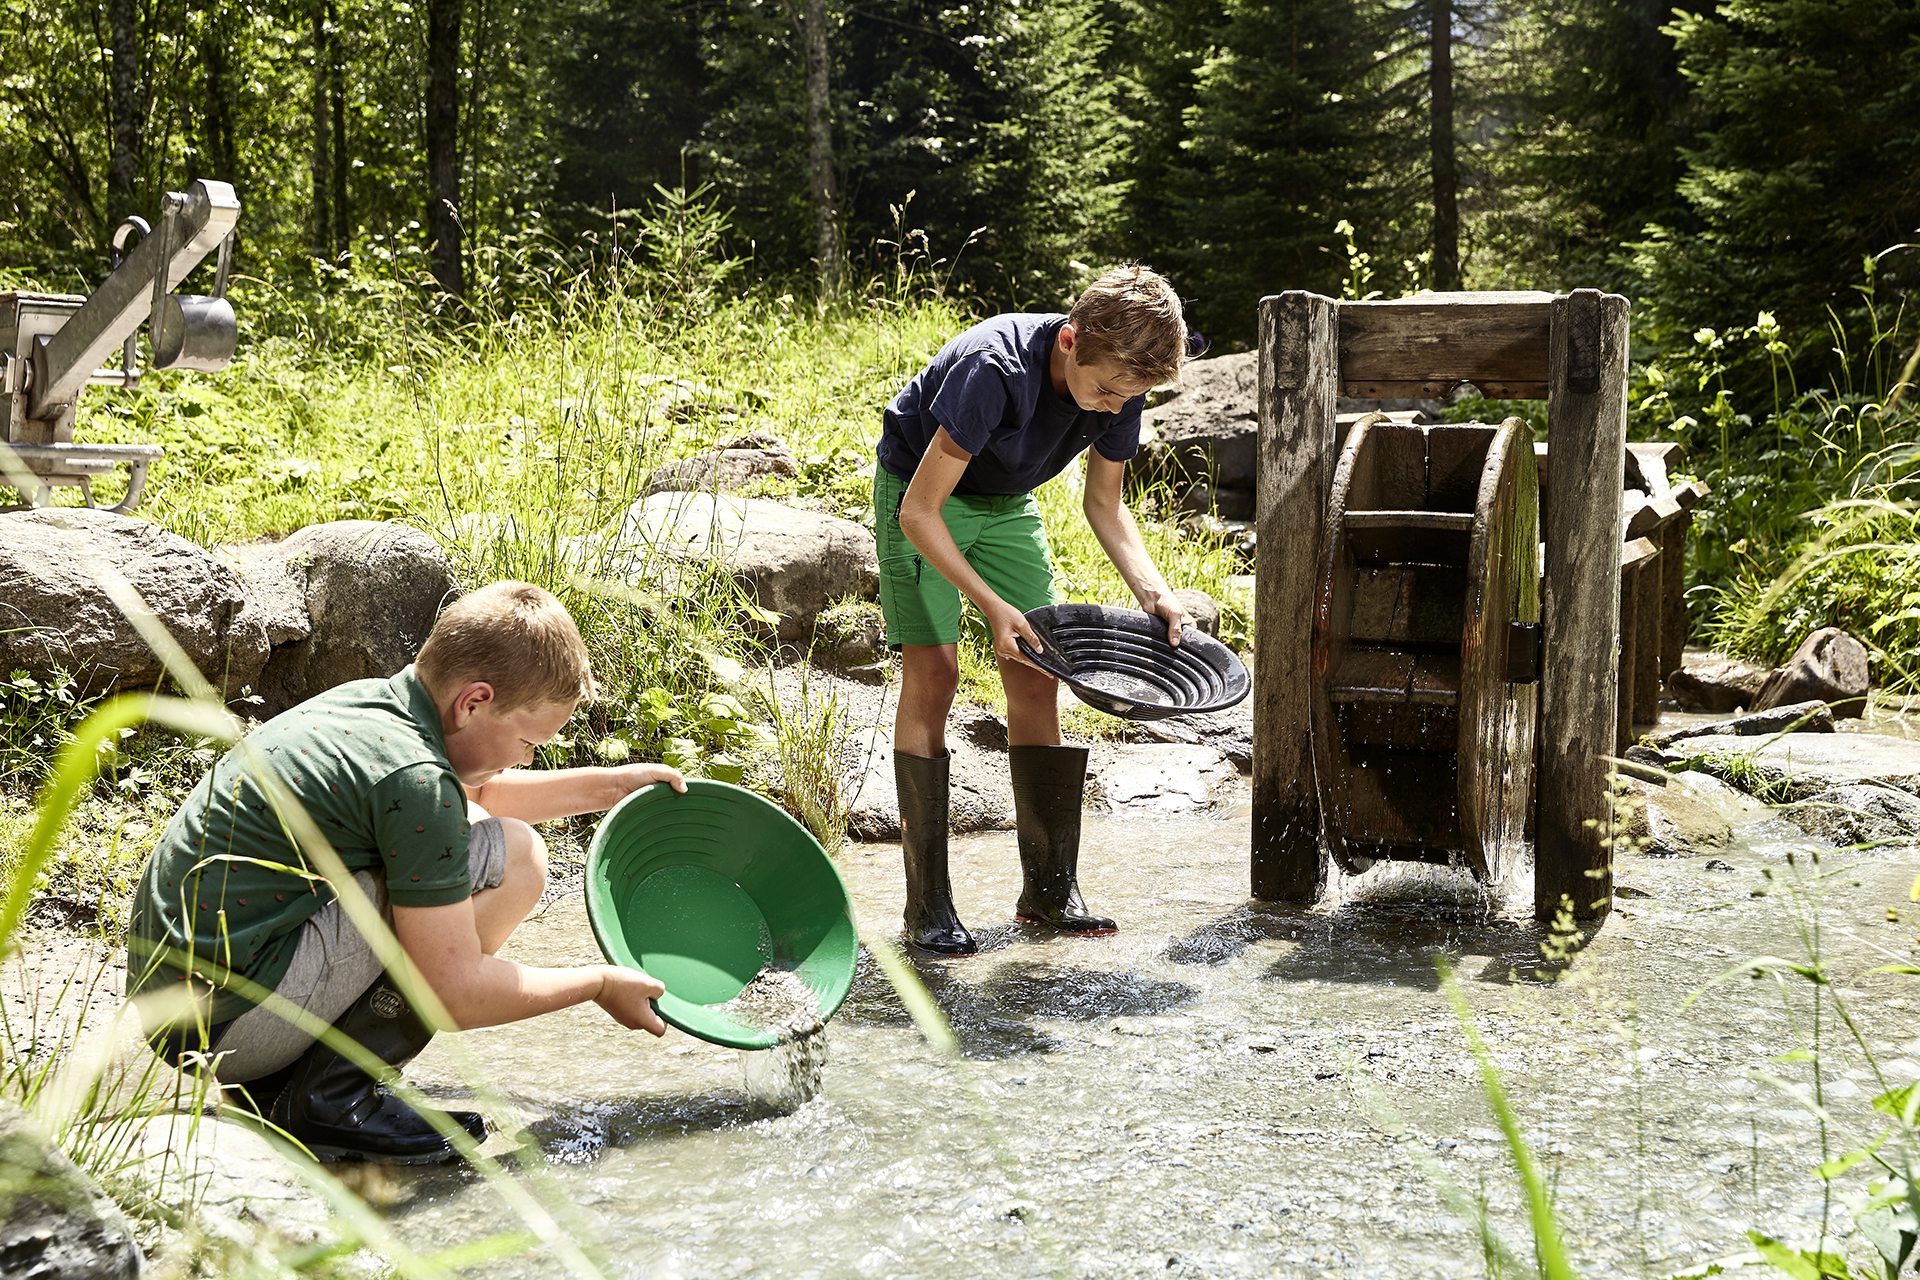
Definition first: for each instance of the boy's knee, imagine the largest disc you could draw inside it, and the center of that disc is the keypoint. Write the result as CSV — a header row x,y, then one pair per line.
x,y
936,669
526,853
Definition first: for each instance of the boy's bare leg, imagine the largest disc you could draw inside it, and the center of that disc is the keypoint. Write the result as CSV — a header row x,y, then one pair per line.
x,y
1033,705
929,678
497,912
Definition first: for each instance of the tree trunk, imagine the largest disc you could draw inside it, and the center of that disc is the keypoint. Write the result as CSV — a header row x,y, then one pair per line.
x,y
337,92
826,217
320,217
1446,200
218,108
443,142
123,71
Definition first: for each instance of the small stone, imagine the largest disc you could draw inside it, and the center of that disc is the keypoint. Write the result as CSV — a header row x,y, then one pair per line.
x,y
1716,864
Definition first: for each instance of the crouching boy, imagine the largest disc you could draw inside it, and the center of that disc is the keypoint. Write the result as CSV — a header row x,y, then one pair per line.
x,y
1003,408
415,782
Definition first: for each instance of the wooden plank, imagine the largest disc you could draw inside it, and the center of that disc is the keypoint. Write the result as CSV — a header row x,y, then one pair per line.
x,y
1627,667
1376,604
1439,388
1406,726
1373,675
1298,368
1403,798
1456,455
1436,680
1587,410
1673,591
1397,476
1648,610
1433,605
1409,537
1448,338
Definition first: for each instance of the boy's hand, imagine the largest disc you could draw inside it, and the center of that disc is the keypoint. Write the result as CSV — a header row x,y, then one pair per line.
x,y
1168,606
632,777
628,995
1008,623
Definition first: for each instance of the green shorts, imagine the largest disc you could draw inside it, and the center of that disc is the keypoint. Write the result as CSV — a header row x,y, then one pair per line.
x,y
1001,537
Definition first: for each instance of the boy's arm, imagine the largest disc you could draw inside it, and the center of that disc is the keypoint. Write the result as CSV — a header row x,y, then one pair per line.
x,y
541,795
1120,538
921,520
480,990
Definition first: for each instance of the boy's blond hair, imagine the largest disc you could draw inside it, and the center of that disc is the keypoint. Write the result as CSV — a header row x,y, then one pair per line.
x,y
514,636
1131,317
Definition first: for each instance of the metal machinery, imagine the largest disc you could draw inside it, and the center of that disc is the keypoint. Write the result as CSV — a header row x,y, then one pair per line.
x,y
52,345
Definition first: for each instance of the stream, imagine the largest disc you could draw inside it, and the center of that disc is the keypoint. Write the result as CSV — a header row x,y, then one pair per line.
x,y
1223,1089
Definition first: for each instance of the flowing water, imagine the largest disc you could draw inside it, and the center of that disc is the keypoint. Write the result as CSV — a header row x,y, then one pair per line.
x,y
1223,1089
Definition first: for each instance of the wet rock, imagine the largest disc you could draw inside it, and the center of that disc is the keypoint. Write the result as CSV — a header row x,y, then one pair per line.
x,y
1858,814
980,793
56,614
371,591
794,563
1230,732
1669,823
244,1189
735,465
1720,687
1830,666
1800,766
1163,778
1801,717
59,1225
1202,608
1718,864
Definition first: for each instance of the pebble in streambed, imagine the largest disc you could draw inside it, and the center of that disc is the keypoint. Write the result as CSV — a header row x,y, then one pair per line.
x,y
788,1074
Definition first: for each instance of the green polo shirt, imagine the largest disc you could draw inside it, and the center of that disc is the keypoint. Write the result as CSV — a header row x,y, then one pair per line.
x,y
228,882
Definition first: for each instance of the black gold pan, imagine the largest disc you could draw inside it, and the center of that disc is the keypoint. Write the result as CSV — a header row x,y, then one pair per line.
x,y
1119,661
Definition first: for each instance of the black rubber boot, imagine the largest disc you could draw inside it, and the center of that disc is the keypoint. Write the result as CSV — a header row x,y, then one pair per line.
x,y
342,1113
1048,783
931,922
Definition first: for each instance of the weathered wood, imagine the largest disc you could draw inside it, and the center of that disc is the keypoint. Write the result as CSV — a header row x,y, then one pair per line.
x,y
1408,537
1649,611
1439,388
1298,372
1623,682
1434,341
1343,672
1673,591
1495,745
1581,605
1456,455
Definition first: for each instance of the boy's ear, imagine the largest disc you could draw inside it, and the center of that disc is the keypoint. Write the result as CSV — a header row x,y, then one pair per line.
x,y
1068,336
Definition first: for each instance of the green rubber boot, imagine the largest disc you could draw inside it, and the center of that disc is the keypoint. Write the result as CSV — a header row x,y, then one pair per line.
x,y
1048,783
931,922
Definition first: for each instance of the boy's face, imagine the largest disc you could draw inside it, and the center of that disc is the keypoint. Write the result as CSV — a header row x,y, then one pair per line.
x,y
484,742
1102,386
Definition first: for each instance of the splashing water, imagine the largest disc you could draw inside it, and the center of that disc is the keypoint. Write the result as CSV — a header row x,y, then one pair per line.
x,y
788,1074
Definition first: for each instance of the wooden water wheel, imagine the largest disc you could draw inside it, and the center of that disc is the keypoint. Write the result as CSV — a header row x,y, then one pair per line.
x,y
1426,645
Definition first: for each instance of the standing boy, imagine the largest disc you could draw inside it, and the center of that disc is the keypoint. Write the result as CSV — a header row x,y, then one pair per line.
x,y
414,782
1005,407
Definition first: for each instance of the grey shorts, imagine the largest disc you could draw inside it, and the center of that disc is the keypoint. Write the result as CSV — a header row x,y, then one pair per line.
x,y
332,966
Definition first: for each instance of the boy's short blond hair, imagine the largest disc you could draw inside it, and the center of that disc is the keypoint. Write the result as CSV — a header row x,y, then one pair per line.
x,y
514,636
1131,317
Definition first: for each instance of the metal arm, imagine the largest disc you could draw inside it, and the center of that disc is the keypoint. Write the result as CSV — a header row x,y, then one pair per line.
x,y
62,363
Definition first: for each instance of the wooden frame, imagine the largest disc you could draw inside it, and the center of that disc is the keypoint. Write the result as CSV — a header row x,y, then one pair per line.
x,y
1569,349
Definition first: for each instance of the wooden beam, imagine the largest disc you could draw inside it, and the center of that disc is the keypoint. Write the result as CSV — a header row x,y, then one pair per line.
x,y
1298,370
1426,344
1587,417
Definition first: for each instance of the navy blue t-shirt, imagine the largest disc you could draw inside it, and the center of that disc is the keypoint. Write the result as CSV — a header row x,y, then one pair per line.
x,y
990,388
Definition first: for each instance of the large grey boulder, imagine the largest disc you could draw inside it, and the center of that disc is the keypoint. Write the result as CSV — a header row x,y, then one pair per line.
x,y
1829,666
735,465
1209,429
792,563
979,796
54,612
58,1224
1859,813
1667,822
1161,778
1801,766
366,593
1720,686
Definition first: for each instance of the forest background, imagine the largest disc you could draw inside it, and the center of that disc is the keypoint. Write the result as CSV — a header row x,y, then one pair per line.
x,y
1749,174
